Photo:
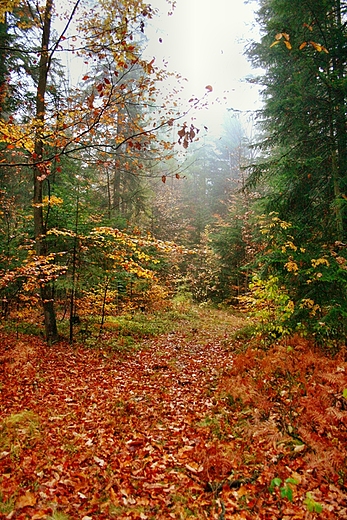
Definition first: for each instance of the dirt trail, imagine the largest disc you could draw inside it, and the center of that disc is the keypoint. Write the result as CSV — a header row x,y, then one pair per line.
x,y
105,435
190,425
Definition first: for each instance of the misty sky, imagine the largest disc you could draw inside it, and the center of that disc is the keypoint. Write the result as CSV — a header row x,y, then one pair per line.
x,y
204,40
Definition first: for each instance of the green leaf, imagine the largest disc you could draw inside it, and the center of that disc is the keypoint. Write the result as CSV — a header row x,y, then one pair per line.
x,y
292,481
275,482
344,393
287,492
312,505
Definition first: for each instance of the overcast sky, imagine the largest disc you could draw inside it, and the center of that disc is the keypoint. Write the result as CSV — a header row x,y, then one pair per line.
x,y
205,40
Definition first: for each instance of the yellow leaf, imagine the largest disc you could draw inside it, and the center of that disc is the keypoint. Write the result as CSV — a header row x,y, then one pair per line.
x,y
7,6
278,36
319,47
274,43
303,45
288,45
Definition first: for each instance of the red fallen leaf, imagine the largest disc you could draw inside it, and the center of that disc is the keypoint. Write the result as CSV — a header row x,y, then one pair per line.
x,y
163,178
85,78
177,176
209,88
26,500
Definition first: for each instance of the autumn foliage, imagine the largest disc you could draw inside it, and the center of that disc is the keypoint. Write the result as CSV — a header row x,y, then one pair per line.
x,y
193,424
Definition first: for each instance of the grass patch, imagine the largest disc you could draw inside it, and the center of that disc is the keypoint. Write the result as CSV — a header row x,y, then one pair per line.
x,y
126,332
17,430
23,327
6,506
58,515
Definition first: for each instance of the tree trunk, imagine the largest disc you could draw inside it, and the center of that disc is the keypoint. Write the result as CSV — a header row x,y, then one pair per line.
x,y
3,67
116,191
40,174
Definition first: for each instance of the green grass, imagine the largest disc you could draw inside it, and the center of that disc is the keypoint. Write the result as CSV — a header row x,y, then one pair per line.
x,y
126,332
23,327
6,506
19,429
58,515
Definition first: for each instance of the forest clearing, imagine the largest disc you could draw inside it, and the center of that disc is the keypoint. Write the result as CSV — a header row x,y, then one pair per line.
x,y
199,421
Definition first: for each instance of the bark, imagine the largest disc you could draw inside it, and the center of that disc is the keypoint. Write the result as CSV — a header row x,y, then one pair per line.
x,y
3,67
116,191
46,290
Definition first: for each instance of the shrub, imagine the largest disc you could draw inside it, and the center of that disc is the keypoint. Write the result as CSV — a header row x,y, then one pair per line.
x,y
299,287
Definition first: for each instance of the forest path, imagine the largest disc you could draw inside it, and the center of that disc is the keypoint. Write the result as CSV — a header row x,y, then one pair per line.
x,y
97,434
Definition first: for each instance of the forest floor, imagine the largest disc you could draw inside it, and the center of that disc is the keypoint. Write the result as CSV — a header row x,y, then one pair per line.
x,y
197,422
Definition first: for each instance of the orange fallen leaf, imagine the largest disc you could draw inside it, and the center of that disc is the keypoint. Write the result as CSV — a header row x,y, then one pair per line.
x,y
26,500
41,514
242,491
113,497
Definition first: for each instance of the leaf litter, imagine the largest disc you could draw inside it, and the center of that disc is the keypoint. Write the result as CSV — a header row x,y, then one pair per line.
x,y
177,429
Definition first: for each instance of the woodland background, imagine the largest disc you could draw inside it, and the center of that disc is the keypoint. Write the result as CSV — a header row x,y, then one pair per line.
x,y
119,214
101,210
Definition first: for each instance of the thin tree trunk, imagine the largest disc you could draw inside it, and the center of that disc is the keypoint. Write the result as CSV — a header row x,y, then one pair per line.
x,y
116,191
74,260
109,198
3,68
39,174
103,309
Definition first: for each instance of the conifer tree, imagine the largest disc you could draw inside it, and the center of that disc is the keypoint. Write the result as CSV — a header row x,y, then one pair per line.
x,y
303,53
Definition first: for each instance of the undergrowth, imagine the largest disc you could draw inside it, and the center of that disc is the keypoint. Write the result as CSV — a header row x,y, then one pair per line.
x,y
284,412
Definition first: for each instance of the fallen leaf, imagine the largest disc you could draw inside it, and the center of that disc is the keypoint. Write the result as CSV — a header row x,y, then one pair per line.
x,y
41,514
299,448
113,497
27,500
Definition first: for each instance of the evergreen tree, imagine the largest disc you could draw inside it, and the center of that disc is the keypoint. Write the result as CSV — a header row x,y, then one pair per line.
x,y
303,52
